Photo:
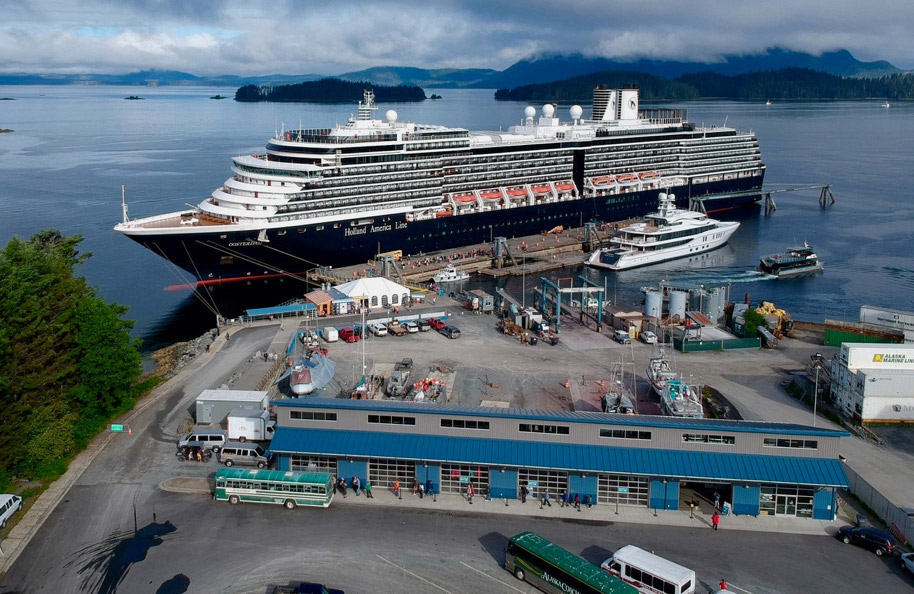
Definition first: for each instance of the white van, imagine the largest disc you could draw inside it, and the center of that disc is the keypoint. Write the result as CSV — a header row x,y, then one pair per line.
x,y
9,504
649,573
208,439
330,334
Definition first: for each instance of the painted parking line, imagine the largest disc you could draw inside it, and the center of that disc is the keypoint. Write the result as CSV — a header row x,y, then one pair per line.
x,y
493,578
419,577
732,587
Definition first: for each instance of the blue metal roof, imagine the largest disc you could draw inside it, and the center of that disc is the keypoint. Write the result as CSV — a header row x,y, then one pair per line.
x,y
706,466
280,309
560,416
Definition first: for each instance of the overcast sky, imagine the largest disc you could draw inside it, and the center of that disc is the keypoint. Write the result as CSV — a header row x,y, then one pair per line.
x,y
251,37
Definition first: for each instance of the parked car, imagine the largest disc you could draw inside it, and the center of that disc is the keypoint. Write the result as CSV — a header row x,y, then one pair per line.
x,y
411,326
881,543
622,336
423,325
208,439
907,561
436,323
396,329
9,504
648,337
348,334
378,329
450,331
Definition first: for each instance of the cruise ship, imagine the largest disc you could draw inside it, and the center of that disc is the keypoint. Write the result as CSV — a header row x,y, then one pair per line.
x,y
667,234
340,196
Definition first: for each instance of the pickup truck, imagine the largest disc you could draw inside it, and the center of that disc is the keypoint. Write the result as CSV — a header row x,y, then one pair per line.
x,y
436,323
396,329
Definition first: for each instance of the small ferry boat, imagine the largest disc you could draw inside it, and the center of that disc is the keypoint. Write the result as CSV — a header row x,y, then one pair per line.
x,y
450,274
796,261
680,399
667,234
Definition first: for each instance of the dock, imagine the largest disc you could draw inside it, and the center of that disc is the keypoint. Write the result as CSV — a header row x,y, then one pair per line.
x,y
531,254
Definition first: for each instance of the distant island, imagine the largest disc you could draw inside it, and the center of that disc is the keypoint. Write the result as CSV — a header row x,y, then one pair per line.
x,y
134,98
328,90
434,96
2,130
785,84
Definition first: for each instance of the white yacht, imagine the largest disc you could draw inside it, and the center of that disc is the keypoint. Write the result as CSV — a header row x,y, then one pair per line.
x,y
450,274
680,399
667,234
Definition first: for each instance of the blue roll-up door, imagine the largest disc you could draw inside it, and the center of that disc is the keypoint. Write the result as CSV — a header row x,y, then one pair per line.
x,y
823,504
745,500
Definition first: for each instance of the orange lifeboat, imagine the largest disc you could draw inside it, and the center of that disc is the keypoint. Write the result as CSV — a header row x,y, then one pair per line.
x,y
602,181
464,198
517,192
444,213
565,187
491,195
625,178
541,189
646,175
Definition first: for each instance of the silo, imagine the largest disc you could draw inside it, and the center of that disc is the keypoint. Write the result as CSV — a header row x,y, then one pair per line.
x,y
653,304
677,304
715,299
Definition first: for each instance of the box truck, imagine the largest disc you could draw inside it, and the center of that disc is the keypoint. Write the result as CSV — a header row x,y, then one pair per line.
x,y
245,424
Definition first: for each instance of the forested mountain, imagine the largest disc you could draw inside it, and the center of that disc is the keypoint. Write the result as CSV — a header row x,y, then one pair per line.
x,y
785,84
328,90
67,362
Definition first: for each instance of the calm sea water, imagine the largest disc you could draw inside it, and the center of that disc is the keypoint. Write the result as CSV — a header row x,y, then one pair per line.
x,y
74,147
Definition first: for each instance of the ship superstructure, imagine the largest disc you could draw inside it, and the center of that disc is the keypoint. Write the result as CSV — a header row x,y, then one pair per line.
x,y
336,196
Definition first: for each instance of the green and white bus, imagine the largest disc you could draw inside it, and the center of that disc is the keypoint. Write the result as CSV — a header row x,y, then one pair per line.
x,y
549,567
291,489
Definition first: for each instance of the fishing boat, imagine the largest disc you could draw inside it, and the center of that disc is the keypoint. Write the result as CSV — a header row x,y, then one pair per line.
x,y
660,372
667,234
680,399
450,274
619,398
327,196
794,262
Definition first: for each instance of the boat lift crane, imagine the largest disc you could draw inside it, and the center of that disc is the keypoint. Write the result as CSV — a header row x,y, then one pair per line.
x,y
824,195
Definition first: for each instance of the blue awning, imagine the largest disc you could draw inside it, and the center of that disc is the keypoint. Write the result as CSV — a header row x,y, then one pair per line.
x,y
695,466
280,309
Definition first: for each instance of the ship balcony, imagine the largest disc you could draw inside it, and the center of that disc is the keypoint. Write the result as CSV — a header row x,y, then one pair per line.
x,y
247,202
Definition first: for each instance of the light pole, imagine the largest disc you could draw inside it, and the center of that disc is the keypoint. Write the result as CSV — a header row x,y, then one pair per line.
x,y
523,284
815,396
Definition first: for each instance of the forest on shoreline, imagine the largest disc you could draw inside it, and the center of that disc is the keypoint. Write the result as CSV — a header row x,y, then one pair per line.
x,y
328,90
787,84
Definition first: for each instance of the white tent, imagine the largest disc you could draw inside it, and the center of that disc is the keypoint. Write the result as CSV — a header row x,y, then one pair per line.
x,y
375,292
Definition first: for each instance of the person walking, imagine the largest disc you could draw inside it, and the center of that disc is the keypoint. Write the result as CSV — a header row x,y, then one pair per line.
x,y
428,487
368,494
577,502
588,501
523,493
343,487
356,485
421,490
470,492
415,485
396,488
199,455
545,500
723,584
564,498
715,520
716,500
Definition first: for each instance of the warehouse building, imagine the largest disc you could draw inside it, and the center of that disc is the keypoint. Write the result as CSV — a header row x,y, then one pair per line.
x,y
874,383
760,468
